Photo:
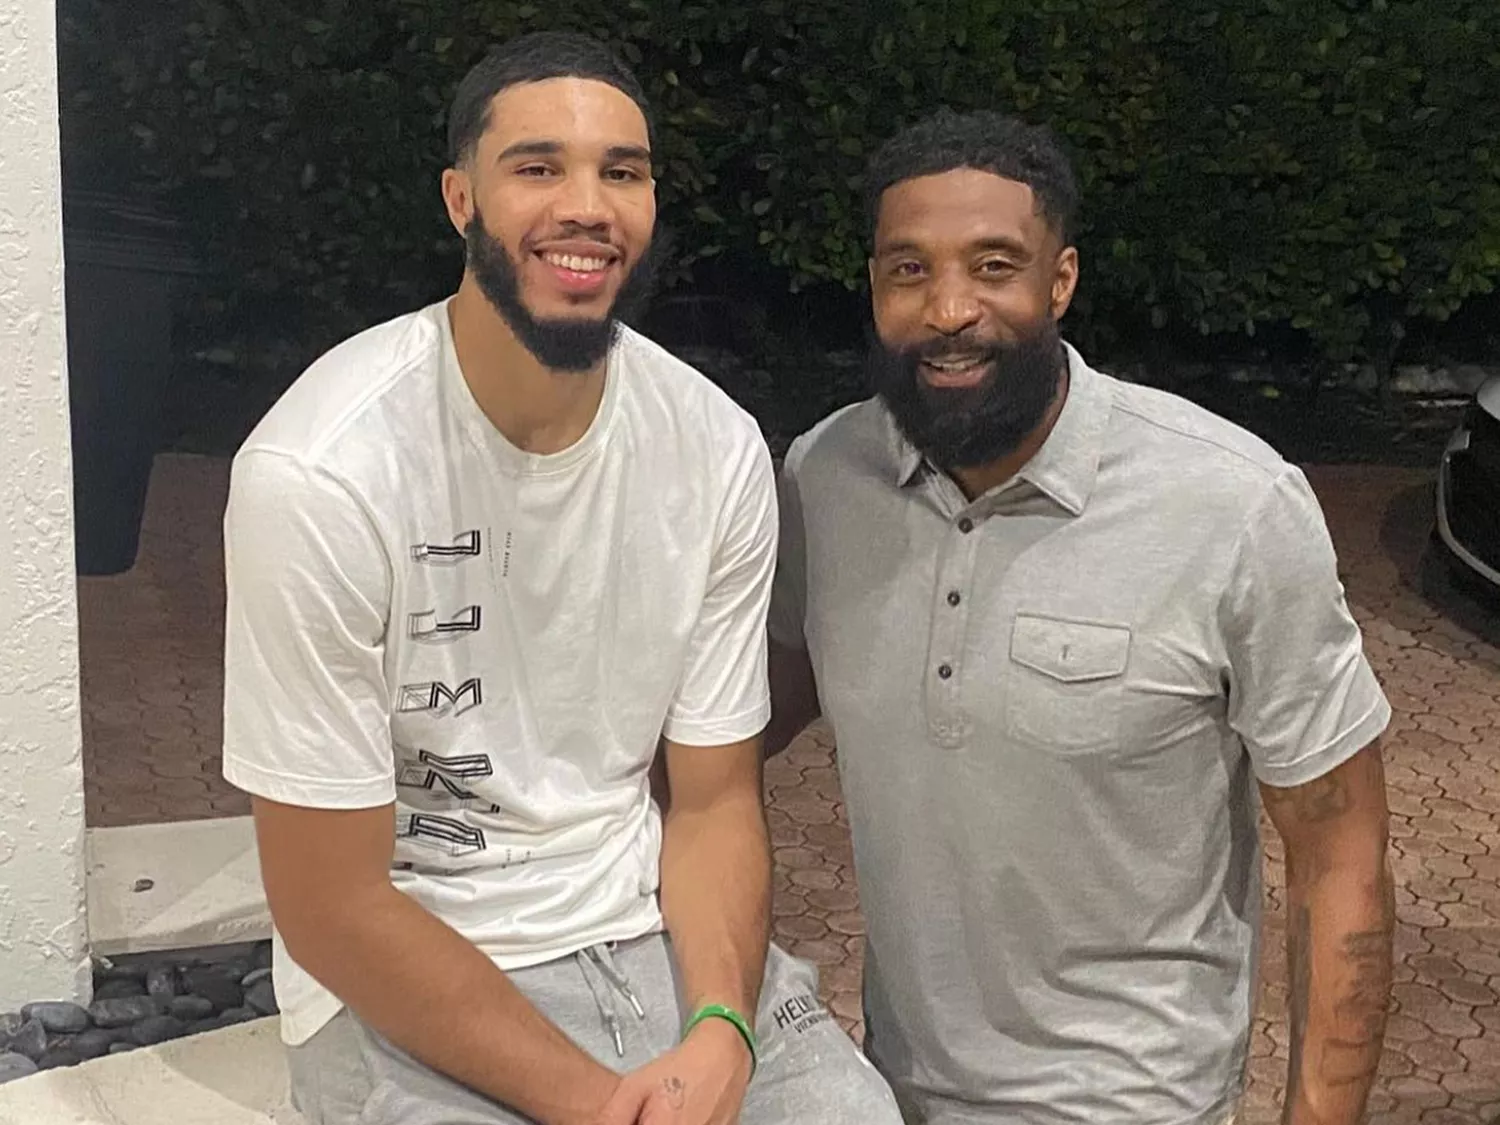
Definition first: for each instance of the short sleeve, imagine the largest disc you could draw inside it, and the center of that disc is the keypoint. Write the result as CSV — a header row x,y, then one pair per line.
x,y
306,703
1302,695
789,591
724,696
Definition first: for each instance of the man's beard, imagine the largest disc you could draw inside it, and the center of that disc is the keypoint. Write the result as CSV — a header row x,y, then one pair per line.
x,y
966,427
558,343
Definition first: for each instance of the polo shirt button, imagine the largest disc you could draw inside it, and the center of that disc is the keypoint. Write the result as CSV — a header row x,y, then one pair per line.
x,y
966,525
954,597
945,671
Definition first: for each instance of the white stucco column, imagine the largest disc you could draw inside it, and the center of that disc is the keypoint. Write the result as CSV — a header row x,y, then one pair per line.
x,y
43,934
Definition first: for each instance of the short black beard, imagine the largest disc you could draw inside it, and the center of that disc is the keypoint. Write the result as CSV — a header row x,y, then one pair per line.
x,y
965,428
559,343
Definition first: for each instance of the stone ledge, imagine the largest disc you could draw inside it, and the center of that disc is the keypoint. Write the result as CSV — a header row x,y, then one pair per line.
x,y
232,1077
179,885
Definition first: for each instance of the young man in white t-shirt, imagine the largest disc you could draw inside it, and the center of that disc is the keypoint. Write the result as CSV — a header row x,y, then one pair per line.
x,y
481,559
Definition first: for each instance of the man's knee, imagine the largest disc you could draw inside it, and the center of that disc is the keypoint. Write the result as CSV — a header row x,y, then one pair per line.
x,y
819,1075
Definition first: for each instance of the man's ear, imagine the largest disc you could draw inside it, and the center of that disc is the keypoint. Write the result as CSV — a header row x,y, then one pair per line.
x,y
458,197
1064,281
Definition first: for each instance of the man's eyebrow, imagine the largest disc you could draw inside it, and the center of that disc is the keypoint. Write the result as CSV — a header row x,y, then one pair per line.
x,y
993,242
1000,242
553,148
531,148
628,152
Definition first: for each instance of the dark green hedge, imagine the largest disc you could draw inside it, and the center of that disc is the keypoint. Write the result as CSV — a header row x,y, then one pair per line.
x,y
1325,166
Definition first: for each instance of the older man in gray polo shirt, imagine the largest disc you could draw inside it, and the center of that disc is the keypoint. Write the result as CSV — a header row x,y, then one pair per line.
x,y
1065,628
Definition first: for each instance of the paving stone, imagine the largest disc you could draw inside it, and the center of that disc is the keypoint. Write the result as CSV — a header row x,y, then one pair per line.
x,y
818,880
254,977
800,927
1482,1052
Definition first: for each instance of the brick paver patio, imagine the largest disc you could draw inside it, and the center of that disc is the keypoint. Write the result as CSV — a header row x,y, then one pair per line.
x,y
152,684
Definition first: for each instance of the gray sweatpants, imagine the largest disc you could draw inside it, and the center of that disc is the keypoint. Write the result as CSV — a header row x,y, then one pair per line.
x,y
809,1071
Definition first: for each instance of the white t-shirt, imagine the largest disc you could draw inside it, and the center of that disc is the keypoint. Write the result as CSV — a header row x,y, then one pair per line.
x,y
420,612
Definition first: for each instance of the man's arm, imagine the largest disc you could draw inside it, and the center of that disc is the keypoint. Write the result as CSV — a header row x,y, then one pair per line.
x,y
1340,918
406,973
794,697
716,874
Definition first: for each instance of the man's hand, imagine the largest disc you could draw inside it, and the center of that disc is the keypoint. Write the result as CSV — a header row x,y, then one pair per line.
x,y
700,1082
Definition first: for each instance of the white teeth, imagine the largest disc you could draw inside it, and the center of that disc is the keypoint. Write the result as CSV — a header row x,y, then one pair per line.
x,y
953,364
575,263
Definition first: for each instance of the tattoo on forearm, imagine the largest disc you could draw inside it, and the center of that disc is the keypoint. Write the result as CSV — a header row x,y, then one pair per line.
x,y
1352,1057
676,1091
1347,1052
1299,970
1322,799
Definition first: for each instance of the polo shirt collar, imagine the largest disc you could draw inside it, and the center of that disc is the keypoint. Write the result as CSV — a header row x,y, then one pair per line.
x,y
1066,466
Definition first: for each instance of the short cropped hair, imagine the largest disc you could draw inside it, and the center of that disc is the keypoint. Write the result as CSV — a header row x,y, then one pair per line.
x,y
532,58
988,142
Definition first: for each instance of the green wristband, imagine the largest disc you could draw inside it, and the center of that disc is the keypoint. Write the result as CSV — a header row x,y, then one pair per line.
x,y
720,1012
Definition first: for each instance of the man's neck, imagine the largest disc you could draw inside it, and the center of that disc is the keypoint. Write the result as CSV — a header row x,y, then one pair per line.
x,y
537,409
977,481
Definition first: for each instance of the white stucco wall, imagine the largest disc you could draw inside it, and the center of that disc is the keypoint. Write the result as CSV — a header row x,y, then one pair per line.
x,y
43,939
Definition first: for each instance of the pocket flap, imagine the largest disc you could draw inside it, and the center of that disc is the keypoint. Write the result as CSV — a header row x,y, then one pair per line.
x,y
1069,651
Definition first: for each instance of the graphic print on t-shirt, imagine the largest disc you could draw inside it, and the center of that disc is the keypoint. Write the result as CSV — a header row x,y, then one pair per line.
x,y
439,779
434,695
432,784
466,545
425,626
453,837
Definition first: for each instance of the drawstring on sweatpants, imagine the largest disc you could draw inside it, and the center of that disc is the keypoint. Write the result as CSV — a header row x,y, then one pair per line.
x,y
598,959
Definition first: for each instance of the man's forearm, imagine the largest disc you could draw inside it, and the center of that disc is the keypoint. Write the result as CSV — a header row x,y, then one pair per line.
x,y
431,992
716,899
1339,930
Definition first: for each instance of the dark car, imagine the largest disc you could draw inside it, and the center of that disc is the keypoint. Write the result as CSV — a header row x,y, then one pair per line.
x,y
1468,493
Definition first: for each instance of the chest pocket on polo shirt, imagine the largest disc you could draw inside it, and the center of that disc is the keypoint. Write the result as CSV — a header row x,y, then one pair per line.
x,y
1065,682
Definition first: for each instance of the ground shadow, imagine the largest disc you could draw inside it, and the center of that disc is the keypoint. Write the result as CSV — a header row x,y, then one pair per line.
x,y
1406,538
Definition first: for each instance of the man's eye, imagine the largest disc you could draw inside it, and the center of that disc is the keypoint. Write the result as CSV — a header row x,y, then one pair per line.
x,y
534,170
907,269
996,266
623,175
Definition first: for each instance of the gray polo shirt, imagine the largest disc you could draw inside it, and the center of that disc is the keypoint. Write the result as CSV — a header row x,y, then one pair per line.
x,y
1051,706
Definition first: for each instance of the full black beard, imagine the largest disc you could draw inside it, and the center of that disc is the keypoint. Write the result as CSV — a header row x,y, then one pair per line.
x,y
558,343
964,428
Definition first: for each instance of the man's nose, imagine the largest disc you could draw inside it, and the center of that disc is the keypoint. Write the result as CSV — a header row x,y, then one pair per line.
x,y
583,202
952,307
